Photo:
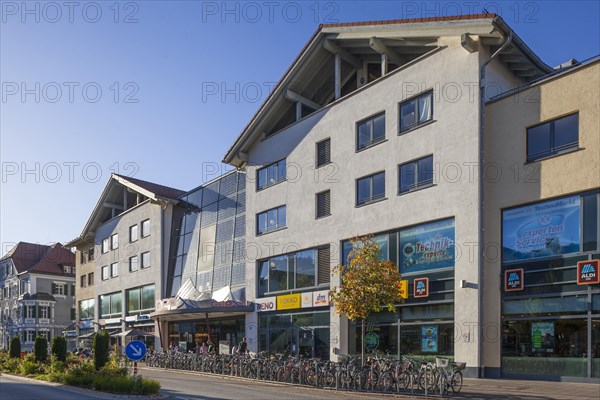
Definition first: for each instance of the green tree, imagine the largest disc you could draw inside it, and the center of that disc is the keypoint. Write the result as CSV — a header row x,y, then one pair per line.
x,y
40,348
368,284
15,347
100,347
59,348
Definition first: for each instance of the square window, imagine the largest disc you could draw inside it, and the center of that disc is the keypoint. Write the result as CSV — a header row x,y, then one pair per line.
x,y
416,111
370,131
271,220
370,188
271,174
416,174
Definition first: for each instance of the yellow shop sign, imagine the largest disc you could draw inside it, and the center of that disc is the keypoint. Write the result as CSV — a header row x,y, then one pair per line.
x,y
289,301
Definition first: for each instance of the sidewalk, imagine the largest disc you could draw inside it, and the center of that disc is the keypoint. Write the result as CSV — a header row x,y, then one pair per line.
x,y
528,390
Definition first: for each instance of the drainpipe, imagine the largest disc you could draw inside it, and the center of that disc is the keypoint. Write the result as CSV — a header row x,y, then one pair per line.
x,y
482,83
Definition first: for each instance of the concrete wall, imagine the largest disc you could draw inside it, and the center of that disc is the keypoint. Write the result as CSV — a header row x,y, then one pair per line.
x,y
519,182
453,140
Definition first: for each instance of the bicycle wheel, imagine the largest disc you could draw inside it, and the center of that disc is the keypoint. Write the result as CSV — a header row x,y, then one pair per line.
x,y
456,382
386,381
311,377
328,379
427,380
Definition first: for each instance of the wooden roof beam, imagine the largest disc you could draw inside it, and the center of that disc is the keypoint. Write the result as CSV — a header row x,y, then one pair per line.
x,y
380,47
332,47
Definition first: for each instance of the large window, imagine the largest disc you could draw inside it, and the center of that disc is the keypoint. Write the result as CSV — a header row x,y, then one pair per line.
x,y
271,220
370,188
292,271
416,174
86,309
111,305
140,300
416,111
370,131
553,137
271,174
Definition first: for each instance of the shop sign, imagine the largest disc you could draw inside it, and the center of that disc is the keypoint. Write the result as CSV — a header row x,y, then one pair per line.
x,y
587,272
371,341
86,324
429,339
321,298
514,279
421,287
143,317
111,321
403,289
427,246
266,304
307,300
540,230
289,301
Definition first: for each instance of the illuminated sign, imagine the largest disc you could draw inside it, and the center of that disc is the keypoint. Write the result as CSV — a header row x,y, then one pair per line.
x,y
421,287
587,272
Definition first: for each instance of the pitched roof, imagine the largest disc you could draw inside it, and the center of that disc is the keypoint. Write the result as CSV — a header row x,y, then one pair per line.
x,y
311,44
159,190
35,257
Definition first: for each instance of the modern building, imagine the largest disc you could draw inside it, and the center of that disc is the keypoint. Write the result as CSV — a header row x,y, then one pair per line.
x,y
382,127
37,293
120,257
542,297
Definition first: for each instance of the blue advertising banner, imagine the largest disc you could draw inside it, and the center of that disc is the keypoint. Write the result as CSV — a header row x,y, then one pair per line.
x,y
429,339
541,230
427,246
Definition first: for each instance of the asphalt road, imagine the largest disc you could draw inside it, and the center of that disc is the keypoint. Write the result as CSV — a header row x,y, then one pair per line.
x,y
17,388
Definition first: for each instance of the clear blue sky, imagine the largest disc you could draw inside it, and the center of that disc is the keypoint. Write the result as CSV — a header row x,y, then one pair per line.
x,y
161,119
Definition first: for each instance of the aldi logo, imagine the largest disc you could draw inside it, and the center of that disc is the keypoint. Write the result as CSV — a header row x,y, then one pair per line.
x,y
421,287
587,272
513,280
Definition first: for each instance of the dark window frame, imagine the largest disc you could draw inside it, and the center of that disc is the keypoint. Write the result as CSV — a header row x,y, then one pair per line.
x,y
418,185
417,123
317,216
277,228
552,151
372,141
372,199
317,163
266,168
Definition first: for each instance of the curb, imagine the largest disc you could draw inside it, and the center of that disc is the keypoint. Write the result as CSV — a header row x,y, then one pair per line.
x,y
88,392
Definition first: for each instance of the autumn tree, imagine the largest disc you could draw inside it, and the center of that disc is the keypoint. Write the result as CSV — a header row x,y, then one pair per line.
x,y
368,284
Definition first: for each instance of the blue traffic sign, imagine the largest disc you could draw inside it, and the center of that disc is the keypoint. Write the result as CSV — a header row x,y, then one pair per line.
x,y
135,350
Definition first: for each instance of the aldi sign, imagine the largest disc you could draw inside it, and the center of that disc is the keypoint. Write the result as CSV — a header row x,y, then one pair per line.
x,y
421,287
513,280
587,272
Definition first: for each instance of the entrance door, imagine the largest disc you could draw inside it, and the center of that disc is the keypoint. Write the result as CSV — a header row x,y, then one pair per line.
x,y
305,342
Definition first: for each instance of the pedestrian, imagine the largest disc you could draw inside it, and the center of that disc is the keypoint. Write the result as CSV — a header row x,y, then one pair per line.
x,y
211,347
203,348
242,347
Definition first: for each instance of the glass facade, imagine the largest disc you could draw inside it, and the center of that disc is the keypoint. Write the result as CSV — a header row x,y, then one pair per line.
x,y
551,326
208,239
189,334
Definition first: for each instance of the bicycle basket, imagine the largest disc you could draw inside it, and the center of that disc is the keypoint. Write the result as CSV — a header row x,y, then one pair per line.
x,y
459,366
441,362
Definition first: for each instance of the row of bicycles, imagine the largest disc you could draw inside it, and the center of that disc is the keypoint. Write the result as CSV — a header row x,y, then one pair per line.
x,y
379,373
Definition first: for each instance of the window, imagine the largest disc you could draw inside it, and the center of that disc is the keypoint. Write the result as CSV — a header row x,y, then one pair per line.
x,y
370,188
271,174
91,254
292,271
111,305
30,336
30,311
133,233
145,259
105,272
133,264
140,300
58,288
416,111
370,131
86,309
416,174
145,228
323,152
83,256
323,206
44,312
105,246
83,281
68,269
114,270
270,220
553,137
91,279
114,241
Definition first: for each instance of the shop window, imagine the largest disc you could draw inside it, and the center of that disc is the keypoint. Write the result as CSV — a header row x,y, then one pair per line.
x,y
370,131
86,309
111,305
140,300
553,137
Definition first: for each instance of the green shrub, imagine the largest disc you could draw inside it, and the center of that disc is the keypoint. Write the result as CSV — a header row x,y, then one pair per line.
x,y
146,386
32,368
12,365
125,384
15,347
41,349
59,348
56,365
80,375
100,347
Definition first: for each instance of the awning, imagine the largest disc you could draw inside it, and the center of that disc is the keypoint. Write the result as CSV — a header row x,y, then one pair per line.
x,y
87,335
133,333
182,309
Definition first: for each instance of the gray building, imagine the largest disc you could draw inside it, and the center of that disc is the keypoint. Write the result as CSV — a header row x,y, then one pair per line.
x,y
37,293
376,128
121,254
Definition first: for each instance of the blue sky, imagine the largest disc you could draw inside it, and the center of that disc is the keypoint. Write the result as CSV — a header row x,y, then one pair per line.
x,y
161,89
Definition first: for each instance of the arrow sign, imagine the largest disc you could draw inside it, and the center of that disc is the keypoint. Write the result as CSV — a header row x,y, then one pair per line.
x,y
135,350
